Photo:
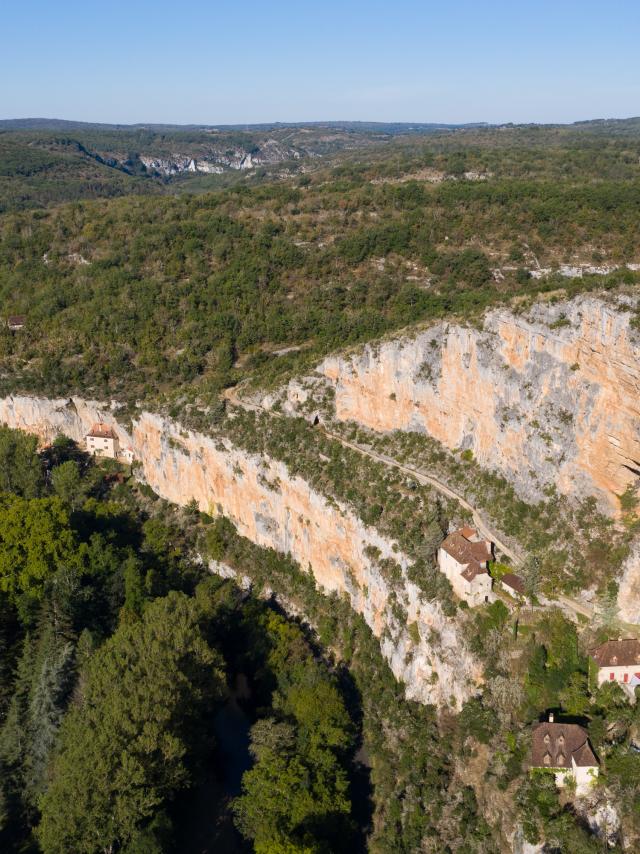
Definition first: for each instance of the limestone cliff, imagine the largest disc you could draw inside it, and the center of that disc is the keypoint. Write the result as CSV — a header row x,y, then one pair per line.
x,y
282,512
546,397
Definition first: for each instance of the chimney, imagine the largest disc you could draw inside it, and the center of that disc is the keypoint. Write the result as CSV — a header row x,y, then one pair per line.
x,y
550,717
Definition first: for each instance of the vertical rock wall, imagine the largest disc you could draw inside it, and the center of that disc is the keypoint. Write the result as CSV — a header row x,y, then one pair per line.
x,y
547,397
278,511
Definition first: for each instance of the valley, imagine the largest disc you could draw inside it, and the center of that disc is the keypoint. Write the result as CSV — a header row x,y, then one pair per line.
x,y
383,381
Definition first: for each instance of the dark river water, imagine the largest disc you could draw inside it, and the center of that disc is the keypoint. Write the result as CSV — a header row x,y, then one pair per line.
x,y
232,732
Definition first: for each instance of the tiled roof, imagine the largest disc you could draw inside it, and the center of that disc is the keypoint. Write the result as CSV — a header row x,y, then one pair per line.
x,y
617,652
514,582
584,757
464,550
468,551
473,568
102,431
558,743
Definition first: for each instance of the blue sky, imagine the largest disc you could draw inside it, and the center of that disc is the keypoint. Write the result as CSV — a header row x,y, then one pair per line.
x,y
209,62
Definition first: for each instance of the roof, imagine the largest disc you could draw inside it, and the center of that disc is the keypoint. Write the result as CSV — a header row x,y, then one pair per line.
x,y
16,320
559,743
467,549
617,652
514,582
102,431
473,569
465,545
584,757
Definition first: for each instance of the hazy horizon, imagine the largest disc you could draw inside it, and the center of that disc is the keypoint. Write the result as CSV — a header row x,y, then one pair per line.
x,y
494,62
292,122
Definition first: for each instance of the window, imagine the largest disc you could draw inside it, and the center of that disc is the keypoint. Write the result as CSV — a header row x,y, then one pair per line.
x,y
547,759
612,676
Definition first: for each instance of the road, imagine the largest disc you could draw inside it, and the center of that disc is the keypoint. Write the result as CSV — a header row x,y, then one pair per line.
x,y
231,394
573,606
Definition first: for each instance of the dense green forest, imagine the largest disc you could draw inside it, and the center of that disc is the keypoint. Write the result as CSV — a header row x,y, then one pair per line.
x,y
120,659
147,706
141,296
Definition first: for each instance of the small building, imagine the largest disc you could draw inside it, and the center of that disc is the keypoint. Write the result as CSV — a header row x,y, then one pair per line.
x,y
618,661
127,454
16,322
565,750
102,441
464,558
513,585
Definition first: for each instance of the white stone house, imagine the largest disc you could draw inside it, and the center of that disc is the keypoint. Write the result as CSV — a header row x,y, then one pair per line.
x,y
565,750
618,661
127,454
102,441
464,558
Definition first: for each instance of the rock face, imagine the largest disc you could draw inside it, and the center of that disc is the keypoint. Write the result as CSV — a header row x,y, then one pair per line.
x,y
214,159
282,512
629,588
548,398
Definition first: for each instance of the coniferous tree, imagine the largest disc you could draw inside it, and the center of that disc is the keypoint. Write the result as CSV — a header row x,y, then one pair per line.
x,y
124,751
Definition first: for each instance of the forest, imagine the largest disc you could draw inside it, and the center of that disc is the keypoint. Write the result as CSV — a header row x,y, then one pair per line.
x,y
146,705
151,295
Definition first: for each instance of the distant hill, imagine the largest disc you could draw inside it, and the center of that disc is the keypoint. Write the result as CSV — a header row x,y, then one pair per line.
x,y
362,127
47,161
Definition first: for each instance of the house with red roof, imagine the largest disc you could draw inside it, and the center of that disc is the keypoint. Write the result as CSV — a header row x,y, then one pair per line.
x,y
102,441
464,558
565,750
618,661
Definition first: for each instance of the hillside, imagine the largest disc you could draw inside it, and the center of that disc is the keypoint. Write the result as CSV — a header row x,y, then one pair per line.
x,y
315,359
43,162
143,296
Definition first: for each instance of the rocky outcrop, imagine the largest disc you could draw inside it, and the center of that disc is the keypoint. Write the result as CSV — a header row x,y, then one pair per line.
x,y
178,163
629,588
214,159
282,512
550,397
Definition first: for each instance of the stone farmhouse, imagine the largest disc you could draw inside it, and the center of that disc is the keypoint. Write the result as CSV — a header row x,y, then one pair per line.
x,y
565,750
618,661
102,441
464,558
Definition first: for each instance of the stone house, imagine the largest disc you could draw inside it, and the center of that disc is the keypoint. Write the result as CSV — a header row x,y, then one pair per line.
x,y
127,454
514,586
464,558
565,750
618,661
102,441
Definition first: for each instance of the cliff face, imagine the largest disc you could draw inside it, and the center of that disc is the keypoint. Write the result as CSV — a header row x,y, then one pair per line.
x,y
217,159
550,397
281,512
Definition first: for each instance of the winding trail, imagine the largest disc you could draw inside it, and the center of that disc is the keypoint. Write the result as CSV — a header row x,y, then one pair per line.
x,y
574,606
